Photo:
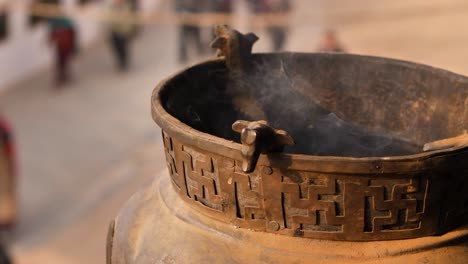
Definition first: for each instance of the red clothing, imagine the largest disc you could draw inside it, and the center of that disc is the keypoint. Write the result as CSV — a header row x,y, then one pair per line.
x,y
7,138
63,38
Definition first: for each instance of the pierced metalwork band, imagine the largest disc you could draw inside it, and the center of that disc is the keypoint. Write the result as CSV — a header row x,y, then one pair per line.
x,y
318,205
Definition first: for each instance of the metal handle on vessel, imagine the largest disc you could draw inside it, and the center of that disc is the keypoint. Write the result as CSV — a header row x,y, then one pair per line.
x,y
258,137
457,141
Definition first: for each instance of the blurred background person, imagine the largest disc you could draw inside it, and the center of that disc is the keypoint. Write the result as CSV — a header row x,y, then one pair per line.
x,y
220,6
4,255
278,30
329,42
63,37
257,7
7,177
122,30
189,33
7,189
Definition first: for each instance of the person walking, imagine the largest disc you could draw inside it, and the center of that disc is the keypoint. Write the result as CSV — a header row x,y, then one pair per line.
x,y
4,255
8,203
122,30
330,42
277,31
220,6
189,33
62,36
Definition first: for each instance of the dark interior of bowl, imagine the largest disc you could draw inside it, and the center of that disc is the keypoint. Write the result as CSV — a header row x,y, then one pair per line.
x,y
331,104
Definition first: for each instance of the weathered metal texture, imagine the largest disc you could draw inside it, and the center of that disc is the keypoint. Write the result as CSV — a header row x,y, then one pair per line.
x,y
234,46
156,226
259,137
356,201
461,140
313,196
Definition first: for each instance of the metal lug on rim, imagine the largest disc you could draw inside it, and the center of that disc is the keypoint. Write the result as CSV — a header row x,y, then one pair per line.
x,y
258,137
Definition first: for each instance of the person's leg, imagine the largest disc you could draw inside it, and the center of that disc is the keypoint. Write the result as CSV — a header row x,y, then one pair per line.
x,y
278,35
58,66
184,31
61,66
197,38
66,57
4,255
124,53
114,46
119,49
121,46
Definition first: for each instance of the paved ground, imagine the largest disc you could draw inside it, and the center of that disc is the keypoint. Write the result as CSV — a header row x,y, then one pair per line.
x,y
85,149
83,239
71,140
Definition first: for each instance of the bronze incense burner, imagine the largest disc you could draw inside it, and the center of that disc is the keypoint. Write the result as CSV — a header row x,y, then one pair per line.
x,y
316,150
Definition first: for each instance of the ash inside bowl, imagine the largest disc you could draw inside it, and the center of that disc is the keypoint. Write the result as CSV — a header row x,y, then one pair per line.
x,y
331,104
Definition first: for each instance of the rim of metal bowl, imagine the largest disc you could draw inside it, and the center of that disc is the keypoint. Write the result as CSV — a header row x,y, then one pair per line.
x,y
326,164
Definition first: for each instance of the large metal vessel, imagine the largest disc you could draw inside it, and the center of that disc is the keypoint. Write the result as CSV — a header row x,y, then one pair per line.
x,y
303,158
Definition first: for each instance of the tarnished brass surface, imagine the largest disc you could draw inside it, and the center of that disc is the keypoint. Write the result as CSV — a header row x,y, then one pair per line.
x,y
360,200
259,137
333,197
356,187
155,226
461,140
235,47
